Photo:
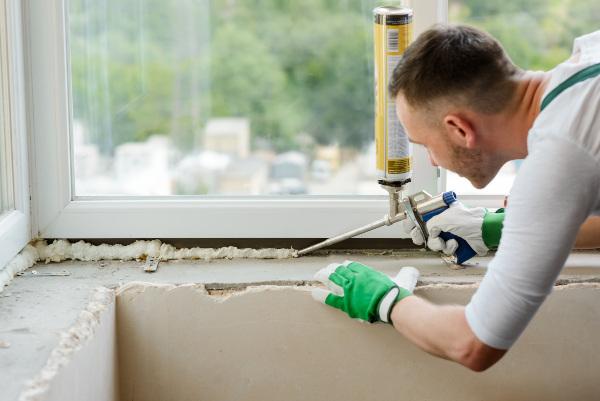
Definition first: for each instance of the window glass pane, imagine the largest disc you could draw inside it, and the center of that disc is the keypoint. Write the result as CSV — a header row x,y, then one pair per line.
x,y
227,97
537,34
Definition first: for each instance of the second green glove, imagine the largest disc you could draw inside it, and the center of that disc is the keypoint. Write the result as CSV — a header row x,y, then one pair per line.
x,y
358,290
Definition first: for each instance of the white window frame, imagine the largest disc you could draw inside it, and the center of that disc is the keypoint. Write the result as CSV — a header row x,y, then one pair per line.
x,y
58,214
15,229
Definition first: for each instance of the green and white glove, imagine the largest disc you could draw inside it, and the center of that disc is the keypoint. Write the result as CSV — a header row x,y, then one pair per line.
x,y
481,228
361,292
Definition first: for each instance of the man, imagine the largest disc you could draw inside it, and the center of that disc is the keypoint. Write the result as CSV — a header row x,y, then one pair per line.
x,y
459,95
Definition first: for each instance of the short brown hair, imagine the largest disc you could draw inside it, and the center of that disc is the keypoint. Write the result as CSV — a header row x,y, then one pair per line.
x,y
455,61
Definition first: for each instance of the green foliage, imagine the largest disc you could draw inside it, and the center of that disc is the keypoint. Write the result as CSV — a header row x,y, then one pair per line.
x,y
537,34
248,81
291,67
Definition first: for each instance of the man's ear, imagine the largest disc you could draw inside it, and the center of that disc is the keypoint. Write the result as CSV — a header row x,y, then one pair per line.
x,y
460,131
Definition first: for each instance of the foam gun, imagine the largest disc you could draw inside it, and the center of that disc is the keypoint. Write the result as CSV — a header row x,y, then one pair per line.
x,y
392,34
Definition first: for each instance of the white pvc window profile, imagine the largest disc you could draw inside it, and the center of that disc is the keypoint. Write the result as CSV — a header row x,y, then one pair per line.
x,y
6,181
15,220
58,214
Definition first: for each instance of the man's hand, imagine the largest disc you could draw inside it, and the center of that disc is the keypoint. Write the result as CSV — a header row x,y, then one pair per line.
x,y
480,228
362,292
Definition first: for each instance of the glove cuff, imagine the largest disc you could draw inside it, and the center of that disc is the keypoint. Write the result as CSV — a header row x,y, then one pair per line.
x,y
491,229
388,301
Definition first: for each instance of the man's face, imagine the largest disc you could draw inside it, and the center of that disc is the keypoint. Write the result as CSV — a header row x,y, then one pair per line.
x,y
472,164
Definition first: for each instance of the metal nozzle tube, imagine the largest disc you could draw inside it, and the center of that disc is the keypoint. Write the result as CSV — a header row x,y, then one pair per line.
x,y
342,237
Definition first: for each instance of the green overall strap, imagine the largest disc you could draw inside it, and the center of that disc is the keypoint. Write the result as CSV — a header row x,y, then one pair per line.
x,y
588,72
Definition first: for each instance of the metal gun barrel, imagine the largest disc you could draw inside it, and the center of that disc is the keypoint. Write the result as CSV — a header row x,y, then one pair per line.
x,y
342,237
425,205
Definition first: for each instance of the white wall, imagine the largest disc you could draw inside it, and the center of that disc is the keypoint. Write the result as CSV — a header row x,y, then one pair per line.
x,y
90,372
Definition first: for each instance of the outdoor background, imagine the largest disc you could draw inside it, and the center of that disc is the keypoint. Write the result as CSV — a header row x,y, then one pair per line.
x,y
257,97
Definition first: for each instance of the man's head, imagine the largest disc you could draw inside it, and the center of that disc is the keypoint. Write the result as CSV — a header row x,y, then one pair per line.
x,y
448,80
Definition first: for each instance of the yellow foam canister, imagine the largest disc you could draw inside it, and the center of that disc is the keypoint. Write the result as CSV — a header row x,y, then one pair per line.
x,y
393,33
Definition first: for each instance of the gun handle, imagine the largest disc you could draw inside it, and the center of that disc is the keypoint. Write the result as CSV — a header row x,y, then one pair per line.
x,y
464,251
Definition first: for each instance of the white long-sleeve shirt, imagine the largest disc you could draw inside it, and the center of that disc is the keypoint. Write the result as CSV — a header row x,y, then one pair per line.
x,y
557,188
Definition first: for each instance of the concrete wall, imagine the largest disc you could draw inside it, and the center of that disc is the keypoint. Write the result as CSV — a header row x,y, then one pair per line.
x,y
278,344
84,365
91,374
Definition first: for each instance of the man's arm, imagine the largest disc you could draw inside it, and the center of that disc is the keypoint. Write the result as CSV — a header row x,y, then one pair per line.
x,y
366,294
539,232
442,330
588,236
542,223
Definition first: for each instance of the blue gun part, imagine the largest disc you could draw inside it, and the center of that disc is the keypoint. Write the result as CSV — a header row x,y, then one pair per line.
x,y
464,251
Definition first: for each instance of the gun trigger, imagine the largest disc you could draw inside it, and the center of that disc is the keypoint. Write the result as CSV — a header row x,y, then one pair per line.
x,y
410,207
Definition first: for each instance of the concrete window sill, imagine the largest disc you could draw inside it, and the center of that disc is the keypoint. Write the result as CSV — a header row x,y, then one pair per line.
x,y
35,309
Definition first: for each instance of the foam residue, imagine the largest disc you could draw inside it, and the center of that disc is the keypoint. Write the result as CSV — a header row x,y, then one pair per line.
x,y
70,341
23,261
61,250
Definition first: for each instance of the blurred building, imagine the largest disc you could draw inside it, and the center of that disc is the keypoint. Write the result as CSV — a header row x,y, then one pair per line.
x,y
87,161
329,153
288,174
245,177
230,136
200,173
142,168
